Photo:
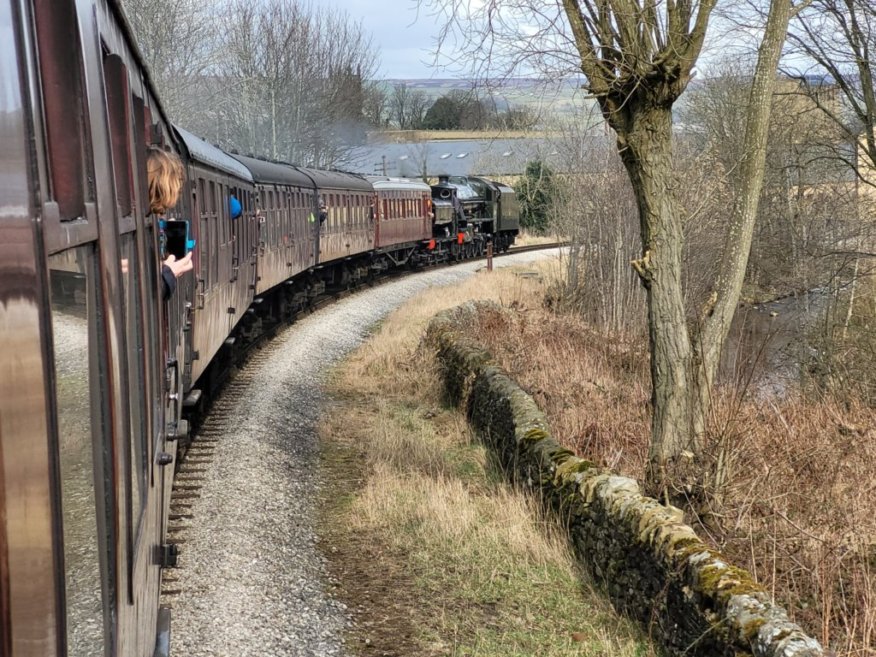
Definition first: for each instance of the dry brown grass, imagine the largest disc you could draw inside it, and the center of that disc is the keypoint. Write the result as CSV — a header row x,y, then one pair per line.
x,y
798,510
485,575
526,238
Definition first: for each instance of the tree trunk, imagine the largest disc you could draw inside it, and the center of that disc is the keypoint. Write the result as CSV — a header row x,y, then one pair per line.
x,y
645,146
718,313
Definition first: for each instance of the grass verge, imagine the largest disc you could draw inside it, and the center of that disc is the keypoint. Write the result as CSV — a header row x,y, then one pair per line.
x,y
433,552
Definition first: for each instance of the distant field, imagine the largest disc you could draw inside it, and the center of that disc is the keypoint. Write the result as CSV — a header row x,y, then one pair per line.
x,y
538,95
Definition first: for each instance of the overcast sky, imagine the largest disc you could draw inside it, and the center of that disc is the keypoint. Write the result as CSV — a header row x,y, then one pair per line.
x,y
404,35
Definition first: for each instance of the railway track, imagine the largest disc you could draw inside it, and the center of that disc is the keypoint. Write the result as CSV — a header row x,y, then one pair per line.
x,y
216,440
192,469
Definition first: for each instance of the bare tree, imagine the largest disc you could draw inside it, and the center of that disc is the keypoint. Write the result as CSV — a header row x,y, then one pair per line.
x,y
178,40
376,105
407,106
839,37
601,228
637,57
518,118
281,89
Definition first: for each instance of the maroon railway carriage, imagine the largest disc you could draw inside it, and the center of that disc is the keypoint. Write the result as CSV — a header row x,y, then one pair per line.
x,y
348,227
288,240
404,217
84,345
225,256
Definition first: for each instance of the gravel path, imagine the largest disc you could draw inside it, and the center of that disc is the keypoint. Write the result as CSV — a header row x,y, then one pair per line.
x,y
251,579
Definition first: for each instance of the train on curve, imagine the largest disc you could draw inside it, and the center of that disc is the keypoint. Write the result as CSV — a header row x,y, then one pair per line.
x,y
97,371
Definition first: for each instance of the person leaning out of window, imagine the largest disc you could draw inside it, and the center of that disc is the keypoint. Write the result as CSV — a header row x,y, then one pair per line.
x,y
166,174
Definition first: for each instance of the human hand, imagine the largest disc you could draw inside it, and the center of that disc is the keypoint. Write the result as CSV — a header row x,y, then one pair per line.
x,y
181,266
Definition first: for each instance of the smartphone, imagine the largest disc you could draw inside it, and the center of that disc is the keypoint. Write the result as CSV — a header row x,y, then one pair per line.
x,y
177,239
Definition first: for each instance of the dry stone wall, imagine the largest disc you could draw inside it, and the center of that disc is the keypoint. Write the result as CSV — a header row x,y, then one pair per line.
x,y
652,565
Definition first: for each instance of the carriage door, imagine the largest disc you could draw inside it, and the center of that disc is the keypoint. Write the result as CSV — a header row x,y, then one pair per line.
x,y
255,231
141,512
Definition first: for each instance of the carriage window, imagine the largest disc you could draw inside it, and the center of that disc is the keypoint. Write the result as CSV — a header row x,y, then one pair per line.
x,y
139,117
273,218
64,106
73,319
226,224
153,338
264,202
224,197
239,235
136,386
119,113
224,217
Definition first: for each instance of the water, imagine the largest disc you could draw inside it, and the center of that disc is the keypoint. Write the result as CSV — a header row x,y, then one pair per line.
x,y
769,343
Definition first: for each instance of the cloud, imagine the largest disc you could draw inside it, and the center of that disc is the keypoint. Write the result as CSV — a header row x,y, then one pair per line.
x,y
405,35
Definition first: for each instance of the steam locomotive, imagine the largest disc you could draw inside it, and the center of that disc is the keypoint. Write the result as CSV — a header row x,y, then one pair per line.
x,y
99,374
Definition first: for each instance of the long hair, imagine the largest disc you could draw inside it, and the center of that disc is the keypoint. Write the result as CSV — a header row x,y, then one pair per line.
x,y
166,174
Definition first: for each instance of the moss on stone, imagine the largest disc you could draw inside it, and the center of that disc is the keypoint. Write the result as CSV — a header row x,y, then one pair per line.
x,y
720,581
750,629
640,550
535,434
572,466
682,545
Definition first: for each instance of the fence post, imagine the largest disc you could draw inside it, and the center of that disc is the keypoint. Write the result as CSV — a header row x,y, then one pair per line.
x,y
490,255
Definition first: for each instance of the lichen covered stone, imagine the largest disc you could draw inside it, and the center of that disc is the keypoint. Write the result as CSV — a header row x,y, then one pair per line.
x,y
652,565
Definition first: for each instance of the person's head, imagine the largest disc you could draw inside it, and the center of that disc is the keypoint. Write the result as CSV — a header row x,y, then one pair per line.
x,y
166,174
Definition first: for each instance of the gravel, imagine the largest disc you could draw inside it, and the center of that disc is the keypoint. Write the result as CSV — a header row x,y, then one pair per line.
x,y
251,579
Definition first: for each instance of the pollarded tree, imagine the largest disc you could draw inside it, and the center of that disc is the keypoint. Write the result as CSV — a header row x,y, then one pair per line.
x,y
637,57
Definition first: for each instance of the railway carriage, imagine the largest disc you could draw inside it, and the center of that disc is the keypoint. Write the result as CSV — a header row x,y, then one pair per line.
x,y
85,400
288,240
403,219
346,229
225,258
99,373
